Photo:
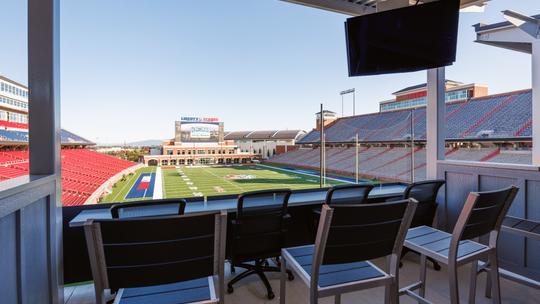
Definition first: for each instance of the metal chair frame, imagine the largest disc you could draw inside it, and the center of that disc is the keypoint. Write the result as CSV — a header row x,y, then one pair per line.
x,y
96,253
453,260
389,278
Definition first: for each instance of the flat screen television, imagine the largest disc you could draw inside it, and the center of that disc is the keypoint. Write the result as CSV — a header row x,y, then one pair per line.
x,y
408,39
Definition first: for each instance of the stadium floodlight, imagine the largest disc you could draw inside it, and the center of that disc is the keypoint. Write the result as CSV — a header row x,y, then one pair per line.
x,y
345,92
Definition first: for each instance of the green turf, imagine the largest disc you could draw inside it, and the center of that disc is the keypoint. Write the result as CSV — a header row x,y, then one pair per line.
x,y
208,181
122,187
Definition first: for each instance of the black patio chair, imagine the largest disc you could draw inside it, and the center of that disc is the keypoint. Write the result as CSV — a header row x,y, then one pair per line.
x,y
348,237
146,208
158,259
258,233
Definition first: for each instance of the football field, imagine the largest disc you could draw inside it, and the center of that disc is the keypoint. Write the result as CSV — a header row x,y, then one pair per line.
x,y
206,181
198,181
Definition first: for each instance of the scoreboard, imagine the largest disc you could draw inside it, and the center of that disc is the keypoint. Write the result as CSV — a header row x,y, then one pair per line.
x,y
198,129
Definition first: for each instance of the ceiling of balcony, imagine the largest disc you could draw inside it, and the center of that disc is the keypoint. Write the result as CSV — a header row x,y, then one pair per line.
x,y
361,7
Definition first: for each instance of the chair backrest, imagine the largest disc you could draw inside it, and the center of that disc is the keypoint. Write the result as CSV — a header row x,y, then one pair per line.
x,y
142,252
352,233
148,208
348,194
425,192
260,225
483,212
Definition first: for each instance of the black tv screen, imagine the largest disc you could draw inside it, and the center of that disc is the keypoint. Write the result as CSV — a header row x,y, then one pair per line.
x,y
407,39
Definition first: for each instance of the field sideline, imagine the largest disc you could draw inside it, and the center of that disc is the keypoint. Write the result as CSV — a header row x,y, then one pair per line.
x,y
122,187
219,180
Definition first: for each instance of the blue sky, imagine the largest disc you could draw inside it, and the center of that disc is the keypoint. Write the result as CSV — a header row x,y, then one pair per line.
x,y
130,68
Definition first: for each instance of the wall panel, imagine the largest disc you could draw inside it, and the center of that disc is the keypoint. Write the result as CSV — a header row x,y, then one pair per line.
x,y
8,258
516,253
25,240
34,256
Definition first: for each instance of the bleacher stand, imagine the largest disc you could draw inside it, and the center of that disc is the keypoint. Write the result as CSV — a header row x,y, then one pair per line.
x,y
83,170
500,117
389,163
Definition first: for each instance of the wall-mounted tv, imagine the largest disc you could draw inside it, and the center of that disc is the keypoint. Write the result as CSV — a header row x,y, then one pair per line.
x,y
407,39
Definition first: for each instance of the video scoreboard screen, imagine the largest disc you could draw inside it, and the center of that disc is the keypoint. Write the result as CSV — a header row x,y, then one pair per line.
x,y
198,129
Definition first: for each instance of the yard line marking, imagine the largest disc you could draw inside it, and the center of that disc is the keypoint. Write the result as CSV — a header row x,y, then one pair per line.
x,y
231,183
305,173
158,184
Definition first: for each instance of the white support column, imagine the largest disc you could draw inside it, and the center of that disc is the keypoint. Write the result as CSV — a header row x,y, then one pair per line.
x,y
44,123
536,102
435,116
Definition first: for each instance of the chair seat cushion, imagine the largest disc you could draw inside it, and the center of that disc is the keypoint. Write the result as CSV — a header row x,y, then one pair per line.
x,y
177,293
434,242
334,274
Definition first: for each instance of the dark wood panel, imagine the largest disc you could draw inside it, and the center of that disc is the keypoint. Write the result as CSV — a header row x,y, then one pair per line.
x,y
8,258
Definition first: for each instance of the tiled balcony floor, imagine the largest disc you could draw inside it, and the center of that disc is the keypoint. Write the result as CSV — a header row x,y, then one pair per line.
x,y
251,290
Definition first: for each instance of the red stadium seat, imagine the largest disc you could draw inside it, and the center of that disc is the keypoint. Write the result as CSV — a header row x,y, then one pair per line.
x,y
83,171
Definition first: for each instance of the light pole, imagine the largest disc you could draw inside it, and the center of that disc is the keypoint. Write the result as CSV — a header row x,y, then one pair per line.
x,y
349,91
321,145
412,145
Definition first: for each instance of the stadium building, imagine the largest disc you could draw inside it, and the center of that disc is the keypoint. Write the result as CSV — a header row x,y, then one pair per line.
x,y
416,96
265,144
199,141
392,142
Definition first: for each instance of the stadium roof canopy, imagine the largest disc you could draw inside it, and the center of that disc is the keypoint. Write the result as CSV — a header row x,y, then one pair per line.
x,y
20,138
265,135
362,7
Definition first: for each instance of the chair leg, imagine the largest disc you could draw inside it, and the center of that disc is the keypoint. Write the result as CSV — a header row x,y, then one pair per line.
x,y
488,285
472,283
423,276
391,293
494,275
453,280
264,279
337,299
238,278
282,281
436,265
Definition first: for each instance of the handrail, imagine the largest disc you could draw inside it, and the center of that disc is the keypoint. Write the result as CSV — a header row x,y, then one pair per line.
x,y
22,184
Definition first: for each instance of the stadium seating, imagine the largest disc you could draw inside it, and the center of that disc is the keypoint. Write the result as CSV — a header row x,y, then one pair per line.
x,y
497,116
83,171
391,163
503,116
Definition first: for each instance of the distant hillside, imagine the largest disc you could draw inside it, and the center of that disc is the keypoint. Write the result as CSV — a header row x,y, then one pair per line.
x,y
148,142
